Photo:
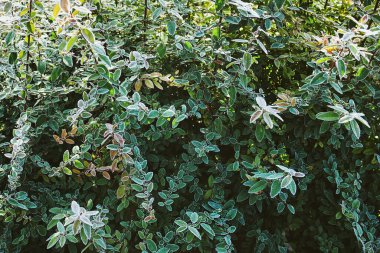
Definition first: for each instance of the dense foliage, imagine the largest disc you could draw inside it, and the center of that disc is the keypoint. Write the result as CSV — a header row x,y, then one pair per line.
x,y
189,125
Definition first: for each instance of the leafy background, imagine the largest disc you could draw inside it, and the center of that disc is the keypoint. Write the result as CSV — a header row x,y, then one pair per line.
x,y
202,126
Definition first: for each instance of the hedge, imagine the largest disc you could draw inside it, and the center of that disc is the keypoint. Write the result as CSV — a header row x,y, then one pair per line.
x,y
189,126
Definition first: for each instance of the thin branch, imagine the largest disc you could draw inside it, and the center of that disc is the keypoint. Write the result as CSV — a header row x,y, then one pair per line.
x,y
29,37
145,17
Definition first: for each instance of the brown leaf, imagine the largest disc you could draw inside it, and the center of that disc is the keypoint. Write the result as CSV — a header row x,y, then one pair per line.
x,y
65,6
149,218
74,130
76,171
57,139
93,173
113,154
64,134
125,179
106,175
69,141
293,102
119,139
114,165
255,116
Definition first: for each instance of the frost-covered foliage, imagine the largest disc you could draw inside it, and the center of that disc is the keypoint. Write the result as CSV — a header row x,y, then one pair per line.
x,y
189,126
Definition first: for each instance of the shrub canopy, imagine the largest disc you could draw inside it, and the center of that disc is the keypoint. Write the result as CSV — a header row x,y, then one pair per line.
x,y
189,125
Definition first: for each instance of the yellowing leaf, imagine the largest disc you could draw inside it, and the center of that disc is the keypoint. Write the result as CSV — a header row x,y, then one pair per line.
x,y
138,85
120,192
157,84
88,35
56,10
149,83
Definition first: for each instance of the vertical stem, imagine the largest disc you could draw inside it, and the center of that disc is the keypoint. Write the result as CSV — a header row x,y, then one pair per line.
x,y
326,3
145,18
220,30
29,36
25,95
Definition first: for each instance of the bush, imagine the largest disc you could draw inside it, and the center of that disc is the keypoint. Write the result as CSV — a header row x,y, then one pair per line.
x,y
202,126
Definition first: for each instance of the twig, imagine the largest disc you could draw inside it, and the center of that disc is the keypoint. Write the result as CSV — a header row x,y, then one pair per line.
x,y
29,37
326,3
145,18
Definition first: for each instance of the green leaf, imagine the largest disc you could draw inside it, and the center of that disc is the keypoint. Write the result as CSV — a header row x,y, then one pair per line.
x,y
280,207
286,181
12,57
194,217
41,67
268,24
275,188
188,46
68,60
195,232
258,186
356,204
262,46
15,203
354,51
151,245
171,25
247,60
322,60
259,132
219,4
83,237
355,128
180,223
53,241
277,45
161,50
362,73
318,79
341,67
208,229
67,171
291,208
168,113
336,87
153,114
327,116
279,3
9,38
100,242
78,164
71,43
292,187
88,35
231,214
106,60
7,7
55,73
